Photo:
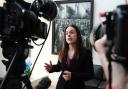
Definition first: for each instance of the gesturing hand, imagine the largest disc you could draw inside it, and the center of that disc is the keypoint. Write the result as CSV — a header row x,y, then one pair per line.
x,y
48,67
67,75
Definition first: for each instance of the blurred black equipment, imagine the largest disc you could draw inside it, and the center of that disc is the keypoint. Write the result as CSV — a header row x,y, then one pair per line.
x,y
19,24
44,83
116,28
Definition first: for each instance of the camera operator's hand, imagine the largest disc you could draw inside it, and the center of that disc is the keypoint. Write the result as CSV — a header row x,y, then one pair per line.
x,y
48,67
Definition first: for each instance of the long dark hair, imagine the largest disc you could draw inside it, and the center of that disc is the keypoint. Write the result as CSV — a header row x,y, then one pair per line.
x,y
65,46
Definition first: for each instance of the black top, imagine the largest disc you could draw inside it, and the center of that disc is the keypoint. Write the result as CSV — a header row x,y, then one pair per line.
x,y
81,70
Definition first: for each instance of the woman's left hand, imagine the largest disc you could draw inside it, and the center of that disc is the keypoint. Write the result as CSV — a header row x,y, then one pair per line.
x,y
67,75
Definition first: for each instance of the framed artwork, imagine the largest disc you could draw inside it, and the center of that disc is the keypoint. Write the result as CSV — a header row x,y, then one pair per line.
x,y
78,12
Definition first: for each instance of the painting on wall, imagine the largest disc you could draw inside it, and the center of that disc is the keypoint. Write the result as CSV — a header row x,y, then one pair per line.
x,y
78,12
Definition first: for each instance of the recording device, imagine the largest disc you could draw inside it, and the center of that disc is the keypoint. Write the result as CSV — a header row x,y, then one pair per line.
x,y
19,19
44,83
116,28
20,23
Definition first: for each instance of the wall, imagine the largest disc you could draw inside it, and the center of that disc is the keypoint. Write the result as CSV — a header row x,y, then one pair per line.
x,y
2,67
46,56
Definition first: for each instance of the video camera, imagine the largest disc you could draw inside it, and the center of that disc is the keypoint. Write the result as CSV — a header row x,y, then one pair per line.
x,y
19,19
116,28
19,23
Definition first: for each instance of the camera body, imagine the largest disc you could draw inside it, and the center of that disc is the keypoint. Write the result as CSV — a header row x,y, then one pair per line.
x,y
121,31
116,28
18,21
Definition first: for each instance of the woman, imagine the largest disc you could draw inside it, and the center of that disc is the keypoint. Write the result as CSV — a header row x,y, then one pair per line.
x,y
75,61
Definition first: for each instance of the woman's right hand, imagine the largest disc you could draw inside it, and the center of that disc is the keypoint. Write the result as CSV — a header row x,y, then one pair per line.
x,y
48,67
